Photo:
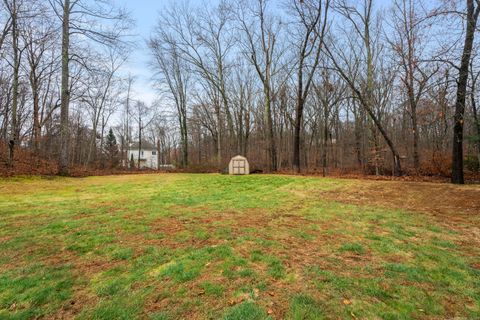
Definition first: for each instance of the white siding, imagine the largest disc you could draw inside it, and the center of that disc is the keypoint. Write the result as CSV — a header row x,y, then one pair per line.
x,y
147,158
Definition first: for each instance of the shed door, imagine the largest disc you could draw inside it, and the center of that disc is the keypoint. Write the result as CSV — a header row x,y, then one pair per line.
x,y
238,166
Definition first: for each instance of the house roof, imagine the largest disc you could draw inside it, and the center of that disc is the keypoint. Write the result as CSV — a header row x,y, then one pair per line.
x,y
145,146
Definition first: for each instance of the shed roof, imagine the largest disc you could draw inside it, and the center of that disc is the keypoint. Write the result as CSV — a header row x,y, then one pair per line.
x,y
239,157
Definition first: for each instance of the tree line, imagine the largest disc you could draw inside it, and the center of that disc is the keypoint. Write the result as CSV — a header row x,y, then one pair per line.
x,y
302,85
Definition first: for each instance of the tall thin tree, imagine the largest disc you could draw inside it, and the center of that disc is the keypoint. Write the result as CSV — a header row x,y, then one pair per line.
x,y
473,10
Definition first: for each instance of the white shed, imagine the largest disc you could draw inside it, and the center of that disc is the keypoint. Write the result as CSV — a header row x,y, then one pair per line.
x,y
238,165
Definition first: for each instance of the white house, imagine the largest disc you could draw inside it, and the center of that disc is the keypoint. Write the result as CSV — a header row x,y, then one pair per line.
x,y
148,155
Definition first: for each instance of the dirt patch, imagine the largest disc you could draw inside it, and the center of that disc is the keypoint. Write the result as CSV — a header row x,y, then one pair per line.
x,y
452,207
81,299
457,204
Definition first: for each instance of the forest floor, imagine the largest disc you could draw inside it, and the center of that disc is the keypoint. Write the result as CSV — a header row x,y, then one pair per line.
x,y
208,246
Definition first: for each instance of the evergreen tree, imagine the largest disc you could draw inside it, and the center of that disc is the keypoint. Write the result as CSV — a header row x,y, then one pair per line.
x,y
132,162
112,149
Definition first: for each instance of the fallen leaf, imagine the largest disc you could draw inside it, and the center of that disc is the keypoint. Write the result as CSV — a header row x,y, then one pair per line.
x,y
346,302
270,311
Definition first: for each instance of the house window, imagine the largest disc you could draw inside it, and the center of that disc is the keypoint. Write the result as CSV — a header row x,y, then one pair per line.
x,y
154,153
142,152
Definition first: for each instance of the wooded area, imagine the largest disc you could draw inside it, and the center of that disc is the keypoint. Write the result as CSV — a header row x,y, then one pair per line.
x,y
309,86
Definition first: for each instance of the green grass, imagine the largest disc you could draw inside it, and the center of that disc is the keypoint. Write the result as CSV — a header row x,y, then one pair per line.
x,y
352,247
224,247
305,308
246,311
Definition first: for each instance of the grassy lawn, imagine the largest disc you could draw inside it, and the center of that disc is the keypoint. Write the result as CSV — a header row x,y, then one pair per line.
x,y
237,247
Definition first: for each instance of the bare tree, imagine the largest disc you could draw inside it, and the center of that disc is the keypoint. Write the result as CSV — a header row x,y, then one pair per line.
x,y
172,72
81,17
408,43
361,20
40,41
101,94
6,25
330,91
13,8
475,112
260,46
124,128
312,21
144,116
242,92
473,10
204,39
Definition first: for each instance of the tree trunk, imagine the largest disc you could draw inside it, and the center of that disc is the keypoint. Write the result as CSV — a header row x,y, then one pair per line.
x,y
158,154
397,169
16,66
457,150
127,118
297,130
184,134
219,133
139,142
272,153
65,92
413,110
358,135
36,118
325,143
416,155
477,124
